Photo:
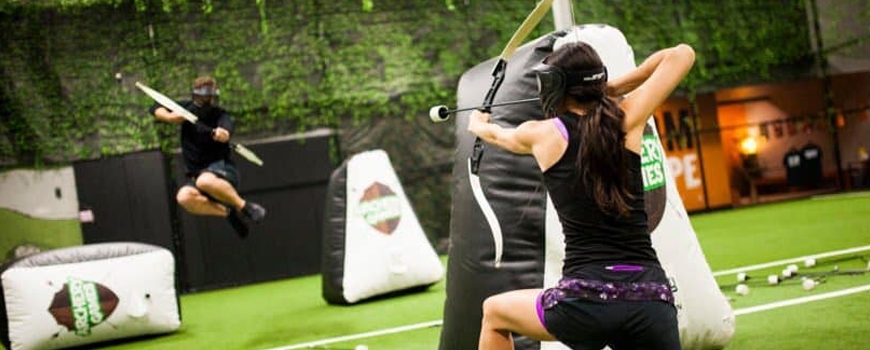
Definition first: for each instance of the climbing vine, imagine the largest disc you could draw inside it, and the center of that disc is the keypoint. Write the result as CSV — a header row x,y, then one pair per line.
x,y
368,68
286,66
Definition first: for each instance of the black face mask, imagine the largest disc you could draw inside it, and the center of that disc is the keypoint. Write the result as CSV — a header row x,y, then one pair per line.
x,y
553,84
205,98
201,111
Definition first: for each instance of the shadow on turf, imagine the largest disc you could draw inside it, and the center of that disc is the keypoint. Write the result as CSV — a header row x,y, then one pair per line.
x,y
122,341
393,294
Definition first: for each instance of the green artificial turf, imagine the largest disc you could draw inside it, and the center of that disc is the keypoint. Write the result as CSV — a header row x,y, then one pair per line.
x,y
837,323
287,312
782,230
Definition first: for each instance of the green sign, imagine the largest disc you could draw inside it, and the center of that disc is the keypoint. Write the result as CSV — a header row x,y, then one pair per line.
x,y
381,209
652,159
85,305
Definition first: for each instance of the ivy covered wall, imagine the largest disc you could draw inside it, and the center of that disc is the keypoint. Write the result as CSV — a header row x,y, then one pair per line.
x,y
290,65
282,67
369,68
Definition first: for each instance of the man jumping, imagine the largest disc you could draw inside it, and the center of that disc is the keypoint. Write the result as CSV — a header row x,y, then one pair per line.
x,y
212,175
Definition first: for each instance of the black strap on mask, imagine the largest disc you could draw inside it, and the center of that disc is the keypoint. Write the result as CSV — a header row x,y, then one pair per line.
x,y
554,82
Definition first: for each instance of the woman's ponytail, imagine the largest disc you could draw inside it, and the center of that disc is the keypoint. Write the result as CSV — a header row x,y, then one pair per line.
x,y
601,159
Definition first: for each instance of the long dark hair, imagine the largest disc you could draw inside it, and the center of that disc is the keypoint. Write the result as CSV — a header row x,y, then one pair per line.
x,y
601,160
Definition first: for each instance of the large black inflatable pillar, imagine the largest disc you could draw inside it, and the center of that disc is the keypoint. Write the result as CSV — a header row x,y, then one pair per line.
x,y
513,188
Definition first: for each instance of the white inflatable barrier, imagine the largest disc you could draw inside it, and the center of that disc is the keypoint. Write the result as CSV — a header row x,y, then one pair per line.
x,y
373,243
706,319
86,294
44,194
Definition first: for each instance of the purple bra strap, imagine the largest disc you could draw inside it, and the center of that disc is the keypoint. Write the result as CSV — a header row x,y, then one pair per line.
x,y
562,129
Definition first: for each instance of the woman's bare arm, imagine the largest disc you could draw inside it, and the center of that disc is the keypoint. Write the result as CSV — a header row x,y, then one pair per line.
x,y
652,82
518,140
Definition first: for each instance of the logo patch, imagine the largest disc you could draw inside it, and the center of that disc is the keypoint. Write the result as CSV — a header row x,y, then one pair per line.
x,y
81,305
381,208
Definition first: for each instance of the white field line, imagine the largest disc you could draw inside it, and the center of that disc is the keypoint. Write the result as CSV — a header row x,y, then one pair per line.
x,y
749,310
791,261
795,301
436,323
314,344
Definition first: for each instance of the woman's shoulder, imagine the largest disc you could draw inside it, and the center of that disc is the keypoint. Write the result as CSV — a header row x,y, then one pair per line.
x,y
540,129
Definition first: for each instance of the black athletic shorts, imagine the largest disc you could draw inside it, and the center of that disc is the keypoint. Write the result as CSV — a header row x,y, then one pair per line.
x,y
222,169
584,324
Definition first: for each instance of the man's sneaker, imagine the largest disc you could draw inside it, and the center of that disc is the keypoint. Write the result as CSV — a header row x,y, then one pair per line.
x,y
254,212
240,226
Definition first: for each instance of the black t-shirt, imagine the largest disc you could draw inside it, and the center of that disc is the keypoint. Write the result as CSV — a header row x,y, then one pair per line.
x,y
793,163
592,237
812,163
198,147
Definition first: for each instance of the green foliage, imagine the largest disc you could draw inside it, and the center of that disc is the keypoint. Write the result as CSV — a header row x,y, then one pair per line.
x,y
291,65
736,41
283,66
287,65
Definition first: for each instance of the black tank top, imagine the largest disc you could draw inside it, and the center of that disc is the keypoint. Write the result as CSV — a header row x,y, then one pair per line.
x,y
593,238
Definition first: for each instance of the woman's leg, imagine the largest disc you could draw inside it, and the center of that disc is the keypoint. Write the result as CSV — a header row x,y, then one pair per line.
x,y
511,312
